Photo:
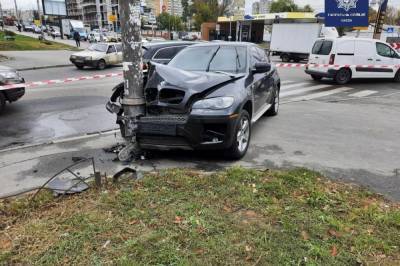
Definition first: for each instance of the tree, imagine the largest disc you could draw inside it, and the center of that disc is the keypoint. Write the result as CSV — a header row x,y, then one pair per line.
x,y
185,10
283,6
392,15
372,15
166,21
307,8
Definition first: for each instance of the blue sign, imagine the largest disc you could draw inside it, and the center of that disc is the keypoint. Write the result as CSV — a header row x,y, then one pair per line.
x,y
346,13
390,30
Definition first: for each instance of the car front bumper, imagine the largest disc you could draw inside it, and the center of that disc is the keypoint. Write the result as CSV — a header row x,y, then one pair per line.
x,y
79,62
14,94
186,132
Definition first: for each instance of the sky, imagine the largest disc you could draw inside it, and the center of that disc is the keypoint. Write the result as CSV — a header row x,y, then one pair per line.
x,y
316,4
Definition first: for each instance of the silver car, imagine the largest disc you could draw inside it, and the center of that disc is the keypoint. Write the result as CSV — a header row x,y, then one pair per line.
x,y
99,55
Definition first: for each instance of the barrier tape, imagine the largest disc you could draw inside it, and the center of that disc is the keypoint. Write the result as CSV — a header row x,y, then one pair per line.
x,y
395,45
109,75
58,81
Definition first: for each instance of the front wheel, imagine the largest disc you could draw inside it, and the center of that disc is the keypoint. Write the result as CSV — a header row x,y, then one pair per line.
x,y
316,78
274,109
2,102
242,134
397,77
80,67
285,58
101,64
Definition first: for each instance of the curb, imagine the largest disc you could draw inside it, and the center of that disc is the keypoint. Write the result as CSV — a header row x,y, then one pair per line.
x,y
44,67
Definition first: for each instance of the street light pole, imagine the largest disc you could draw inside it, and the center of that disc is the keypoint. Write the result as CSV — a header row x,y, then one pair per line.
x,y
16,10
133,102
1,16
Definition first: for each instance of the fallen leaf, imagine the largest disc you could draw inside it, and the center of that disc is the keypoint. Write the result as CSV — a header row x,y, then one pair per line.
x,y
5,244
305,235
251,214
178,220
106,244
334,251
227,209
247,248
134,222
334,233
199,251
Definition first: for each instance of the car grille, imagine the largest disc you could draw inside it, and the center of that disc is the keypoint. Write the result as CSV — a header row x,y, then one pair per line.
x,y
171,96
174,119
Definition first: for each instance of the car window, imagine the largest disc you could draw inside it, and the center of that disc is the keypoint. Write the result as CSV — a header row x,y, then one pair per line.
x,y
384,50
255,56
229,59
111,49
165,53
119,47
322,47
263,55
212,58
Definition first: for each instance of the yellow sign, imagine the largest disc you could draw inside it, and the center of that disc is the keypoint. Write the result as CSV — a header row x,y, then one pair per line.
x,y
360,28
112,18
37,22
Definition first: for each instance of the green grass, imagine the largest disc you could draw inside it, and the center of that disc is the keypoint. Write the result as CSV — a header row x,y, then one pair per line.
x,y
22,43
181,217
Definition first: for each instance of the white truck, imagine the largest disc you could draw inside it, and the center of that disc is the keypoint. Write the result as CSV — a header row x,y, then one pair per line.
x,y
69,26
293,41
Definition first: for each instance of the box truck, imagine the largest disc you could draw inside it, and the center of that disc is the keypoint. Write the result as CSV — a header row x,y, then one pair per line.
x,y
69,26
293,41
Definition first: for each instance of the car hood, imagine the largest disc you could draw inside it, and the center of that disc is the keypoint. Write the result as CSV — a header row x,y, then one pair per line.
x,y
6,68
171,88
90,53
193,81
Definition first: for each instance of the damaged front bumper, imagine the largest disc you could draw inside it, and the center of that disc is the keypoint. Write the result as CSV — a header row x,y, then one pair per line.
x,y
166,132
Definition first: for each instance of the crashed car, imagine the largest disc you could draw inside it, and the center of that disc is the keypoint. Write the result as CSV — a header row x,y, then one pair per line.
x,y
207,97
12,86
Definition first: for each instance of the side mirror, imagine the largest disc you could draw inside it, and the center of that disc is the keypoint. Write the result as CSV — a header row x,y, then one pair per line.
x,y
261,68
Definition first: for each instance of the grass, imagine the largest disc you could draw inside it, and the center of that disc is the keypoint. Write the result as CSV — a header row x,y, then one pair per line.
x,y
181,217
23,43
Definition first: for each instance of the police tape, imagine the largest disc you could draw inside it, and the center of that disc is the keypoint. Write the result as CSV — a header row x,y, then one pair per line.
x,y
58,81
110,75
289,65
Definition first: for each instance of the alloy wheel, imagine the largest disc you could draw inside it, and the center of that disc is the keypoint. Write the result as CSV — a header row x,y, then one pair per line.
x,y
243,134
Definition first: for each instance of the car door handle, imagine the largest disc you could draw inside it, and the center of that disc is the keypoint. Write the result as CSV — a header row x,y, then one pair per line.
x,y
370,59
316,57
378,60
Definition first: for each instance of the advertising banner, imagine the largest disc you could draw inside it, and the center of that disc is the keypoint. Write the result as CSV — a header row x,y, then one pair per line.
x,y
346,13
54,7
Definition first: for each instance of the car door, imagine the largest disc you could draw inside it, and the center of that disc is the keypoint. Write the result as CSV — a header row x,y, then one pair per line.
x,y
258,85
118,46
267,87
112,57
385,56
364,56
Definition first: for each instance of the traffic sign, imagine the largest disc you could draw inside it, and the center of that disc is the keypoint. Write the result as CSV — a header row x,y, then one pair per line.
x,y
390,30
346,13
37,22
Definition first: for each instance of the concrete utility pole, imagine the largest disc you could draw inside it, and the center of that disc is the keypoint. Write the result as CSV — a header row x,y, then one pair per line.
x,y
1,16
16,10
133,102
98,13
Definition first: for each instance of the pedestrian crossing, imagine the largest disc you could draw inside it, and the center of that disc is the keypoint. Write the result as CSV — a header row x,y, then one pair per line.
x,y
305,91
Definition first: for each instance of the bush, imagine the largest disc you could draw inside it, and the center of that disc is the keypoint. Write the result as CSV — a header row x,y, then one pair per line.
x,y
9,33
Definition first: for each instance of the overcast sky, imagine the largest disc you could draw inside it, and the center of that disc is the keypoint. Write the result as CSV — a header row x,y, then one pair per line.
x,y
316,4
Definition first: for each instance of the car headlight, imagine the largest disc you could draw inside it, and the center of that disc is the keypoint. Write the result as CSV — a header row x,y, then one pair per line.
x,y
88,58
9,75
216,103
73,56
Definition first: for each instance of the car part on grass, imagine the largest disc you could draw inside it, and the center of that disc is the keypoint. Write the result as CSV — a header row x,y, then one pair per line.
x,y
131,173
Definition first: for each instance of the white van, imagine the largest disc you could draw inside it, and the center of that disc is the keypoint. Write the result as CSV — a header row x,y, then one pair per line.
x,y
345,58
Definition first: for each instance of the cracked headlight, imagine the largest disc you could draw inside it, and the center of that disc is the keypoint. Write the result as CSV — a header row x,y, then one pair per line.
x,y
216,103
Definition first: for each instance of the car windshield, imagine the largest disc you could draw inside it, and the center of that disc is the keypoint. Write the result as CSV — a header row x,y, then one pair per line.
x,y
230,59
98,47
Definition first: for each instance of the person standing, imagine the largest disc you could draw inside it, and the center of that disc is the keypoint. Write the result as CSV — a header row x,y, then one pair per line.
x,y
77,38
19,27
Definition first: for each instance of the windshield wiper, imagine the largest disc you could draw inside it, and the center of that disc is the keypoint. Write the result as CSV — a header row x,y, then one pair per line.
x,y
212,58
225,73
238,65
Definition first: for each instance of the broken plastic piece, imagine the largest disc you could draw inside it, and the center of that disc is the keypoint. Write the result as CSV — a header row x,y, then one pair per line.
x,y
126,170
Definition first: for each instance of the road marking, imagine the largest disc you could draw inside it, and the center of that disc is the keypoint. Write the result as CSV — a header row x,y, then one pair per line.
x,y
320,94
306,89
294,85
363,93
287,81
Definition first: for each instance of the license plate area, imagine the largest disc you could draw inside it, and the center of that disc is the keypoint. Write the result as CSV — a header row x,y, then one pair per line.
x,y
157,129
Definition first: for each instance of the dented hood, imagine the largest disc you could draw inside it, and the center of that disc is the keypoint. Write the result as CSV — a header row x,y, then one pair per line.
x,y
194,81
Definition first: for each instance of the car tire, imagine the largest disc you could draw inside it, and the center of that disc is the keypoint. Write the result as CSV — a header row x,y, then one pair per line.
x,y
2,102
80,67
242,135
285,58
274,109
101,64
397,77
343,76
316,77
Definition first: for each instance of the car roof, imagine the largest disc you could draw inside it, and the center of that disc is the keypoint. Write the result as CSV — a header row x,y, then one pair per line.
x,y
217,43
166,44
344,38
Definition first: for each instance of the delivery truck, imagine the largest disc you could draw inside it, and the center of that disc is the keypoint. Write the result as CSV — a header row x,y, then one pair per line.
x,y
293,41
69,26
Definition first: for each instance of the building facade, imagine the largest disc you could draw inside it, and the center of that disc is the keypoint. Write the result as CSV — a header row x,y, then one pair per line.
x,y
265,6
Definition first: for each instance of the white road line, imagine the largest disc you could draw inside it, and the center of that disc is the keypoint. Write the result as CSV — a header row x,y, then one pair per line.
x,y
320,94
286,87
287,81
303,90
363,93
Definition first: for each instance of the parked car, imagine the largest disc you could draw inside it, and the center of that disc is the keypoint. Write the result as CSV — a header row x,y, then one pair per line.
x,y
37,29
98,55
28,27
94,36
207,97
9,76
343,59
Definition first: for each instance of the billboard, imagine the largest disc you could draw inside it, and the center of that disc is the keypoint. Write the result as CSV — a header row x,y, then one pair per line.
x,y
54,7
346,13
